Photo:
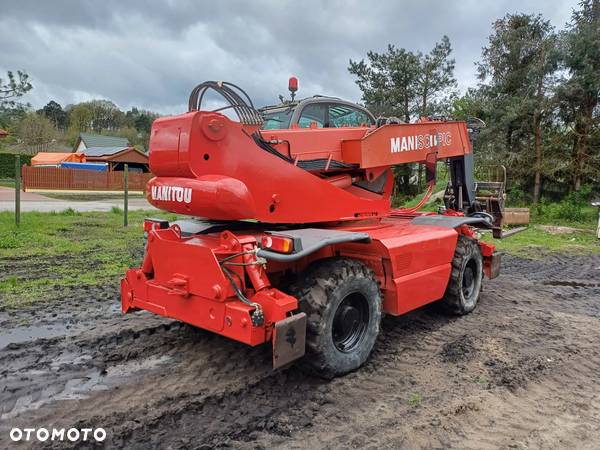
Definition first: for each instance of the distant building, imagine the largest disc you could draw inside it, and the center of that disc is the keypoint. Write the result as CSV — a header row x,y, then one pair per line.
x,y
113,150
116,157
87,140
3,133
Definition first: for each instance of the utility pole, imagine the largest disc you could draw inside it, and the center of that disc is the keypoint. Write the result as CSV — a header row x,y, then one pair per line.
x,y
17,190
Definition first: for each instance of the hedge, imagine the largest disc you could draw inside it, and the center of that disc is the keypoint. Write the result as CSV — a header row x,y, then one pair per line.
x,y
7,164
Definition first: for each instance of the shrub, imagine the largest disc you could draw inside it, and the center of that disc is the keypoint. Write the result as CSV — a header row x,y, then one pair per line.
x,y
516,196
568,211
69,212
565,210
581,197
7,164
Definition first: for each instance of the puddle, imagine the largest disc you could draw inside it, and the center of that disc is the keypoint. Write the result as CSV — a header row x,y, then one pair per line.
x,y
23,334
131,367
83,385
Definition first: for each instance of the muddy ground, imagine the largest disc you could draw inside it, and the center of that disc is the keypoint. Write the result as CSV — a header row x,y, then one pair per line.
x,y
522,371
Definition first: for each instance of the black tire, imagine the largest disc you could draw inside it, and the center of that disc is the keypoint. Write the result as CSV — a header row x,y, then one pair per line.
x,y
342,302
464,287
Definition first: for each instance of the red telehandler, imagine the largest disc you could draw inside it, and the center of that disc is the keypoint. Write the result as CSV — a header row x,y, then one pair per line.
x,y
291,238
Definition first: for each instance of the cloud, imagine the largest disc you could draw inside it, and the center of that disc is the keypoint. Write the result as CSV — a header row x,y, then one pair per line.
x,y
151,54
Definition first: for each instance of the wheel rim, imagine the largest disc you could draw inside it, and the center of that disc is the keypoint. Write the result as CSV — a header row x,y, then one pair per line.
x,y
350,322
469,279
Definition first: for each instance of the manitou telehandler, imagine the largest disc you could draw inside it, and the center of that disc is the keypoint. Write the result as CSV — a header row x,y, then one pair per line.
x,y
291,238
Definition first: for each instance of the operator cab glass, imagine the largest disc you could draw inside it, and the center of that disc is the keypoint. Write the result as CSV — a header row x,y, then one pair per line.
x,y
346,116
317,113
333,115
321,114
277,120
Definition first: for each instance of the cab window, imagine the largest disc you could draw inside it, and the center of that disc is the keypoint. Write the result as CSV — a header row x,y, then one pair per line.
x,y
346,116
313,113
277,120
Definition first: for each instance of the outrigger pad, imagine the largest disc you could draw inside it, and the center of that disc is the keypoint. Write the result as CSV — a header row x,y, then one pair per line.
x,y
289,338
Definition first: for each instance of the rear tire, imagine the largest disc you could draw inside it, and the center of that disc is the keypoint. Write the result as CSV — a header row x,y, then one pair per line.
x,y
464,287
342,302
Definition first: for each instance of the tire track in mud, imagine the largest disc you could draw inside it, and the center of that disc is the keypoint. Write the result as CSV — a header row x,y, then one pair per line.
x,y
67,311
521,371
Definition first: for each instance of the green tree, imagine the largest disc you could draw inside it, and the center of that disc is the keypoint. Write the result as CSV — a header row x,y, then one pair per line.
x,y
402,83
407,85
55,113
106,115
472,104
132,135
388,81
517,71
36,132
13,87
580,91
81,118
10,117
143,122
435,78
140,119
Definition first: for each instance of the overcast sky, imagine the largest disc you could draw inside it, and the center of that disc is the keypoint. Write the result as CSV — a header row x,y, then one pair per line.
x,y
152,53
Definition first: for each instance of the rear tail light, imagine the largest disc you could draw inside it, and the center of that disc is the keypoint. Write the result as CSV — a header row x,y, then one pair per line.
x,y
279,244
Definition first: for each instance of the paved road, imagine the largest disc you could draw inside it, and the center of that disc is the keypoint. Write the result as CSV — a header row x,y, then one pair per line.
x,y
36,202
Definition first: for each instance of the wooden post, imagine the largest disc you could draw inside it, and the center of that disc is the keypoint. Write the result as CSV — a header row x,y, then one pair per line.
x,y
126,193
17,190
597,204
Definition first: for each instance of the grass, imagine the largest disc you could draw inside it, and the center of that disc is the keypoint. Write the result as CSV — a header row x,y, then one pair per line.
x,y
535,243
7,182
53,251
414,399
482,380
440,186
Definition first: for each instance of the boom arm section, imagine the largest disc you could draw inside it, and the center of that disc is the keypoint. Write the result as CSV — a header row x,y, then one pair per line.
x,y
207,165
396,144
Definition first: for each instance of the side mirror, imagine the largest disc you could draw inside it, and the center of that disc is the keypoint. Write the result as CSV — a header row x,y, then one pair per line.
x,y
430,167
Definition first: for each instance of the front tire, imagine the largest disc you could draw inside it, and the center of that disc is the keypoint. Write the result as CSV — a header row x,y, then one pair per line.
x,y
342,302
464,287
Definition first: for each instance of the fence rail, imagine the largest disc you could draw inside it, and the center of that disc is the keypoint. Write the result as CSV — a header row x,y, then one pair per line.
x,y
54,178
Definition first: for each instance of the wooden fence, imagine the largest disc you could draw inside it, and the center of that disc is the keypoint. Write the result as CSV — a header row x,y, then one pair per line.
x,y
53,178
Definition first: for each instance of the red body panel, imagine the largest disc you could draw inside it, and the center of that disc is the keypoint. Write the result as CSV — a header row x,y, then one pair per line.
x,y
192,287
412,263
